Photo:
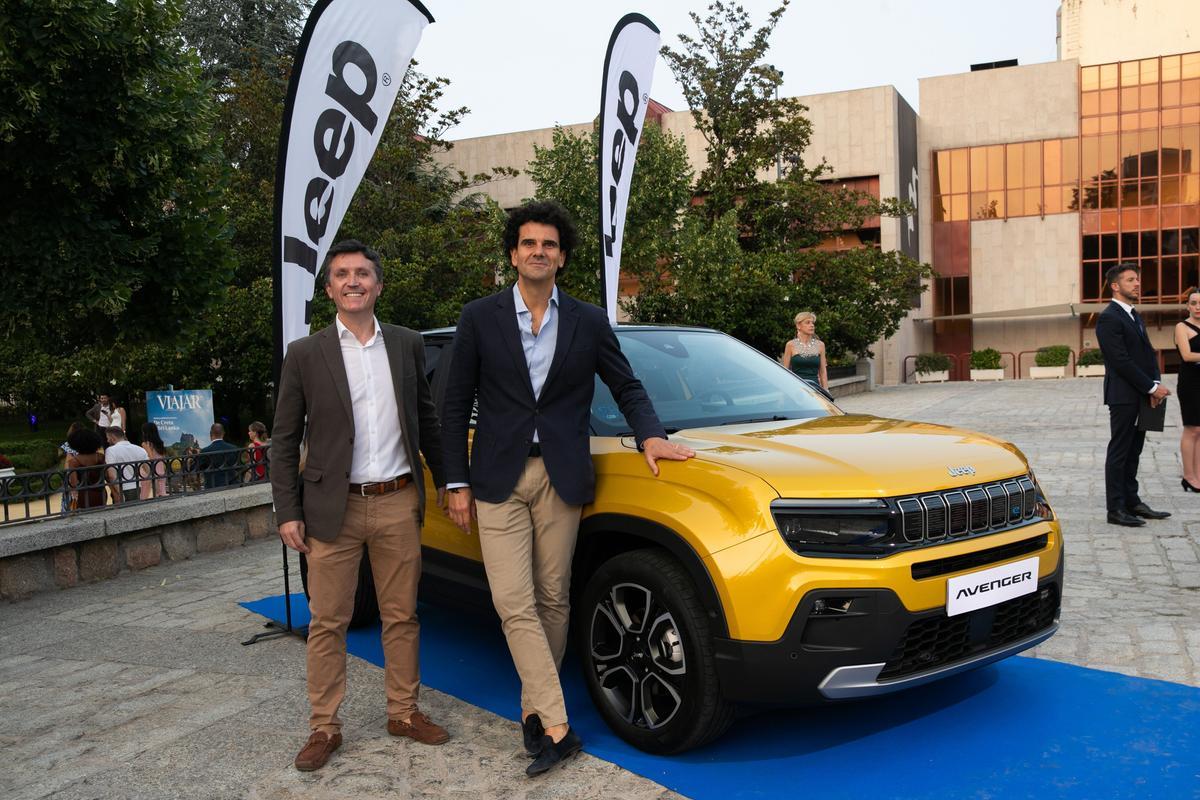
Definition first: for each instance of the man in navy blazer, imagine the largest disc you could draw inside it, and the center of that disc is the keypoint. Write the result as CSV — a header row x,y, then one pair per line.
x,y
1130,376
530,354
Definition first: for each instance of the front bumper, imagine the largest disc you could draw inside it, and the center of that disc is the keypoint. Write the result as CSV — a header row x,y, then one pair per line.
x,y
878,646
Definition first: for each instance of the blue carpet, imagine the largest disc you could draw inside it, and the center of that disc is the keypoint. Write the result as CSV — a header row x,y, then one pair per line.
x,y
1022,728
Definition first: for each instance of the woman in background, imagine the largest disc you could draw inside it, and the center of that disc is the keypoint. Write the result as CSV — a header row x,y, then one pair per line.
x,y
1187,340
805,355
258,450
85,470
154,471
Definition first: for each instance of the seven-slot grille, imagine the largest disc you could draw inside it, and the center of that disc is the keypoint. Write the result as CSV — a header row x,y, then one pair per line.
x,y
973,509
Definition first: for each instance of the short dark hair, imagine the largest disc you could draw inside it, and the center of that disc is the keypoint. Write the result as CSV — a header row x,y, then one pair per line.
x,y
217,431
116,430
350,246
84,441
1114,272
1191,290
547,212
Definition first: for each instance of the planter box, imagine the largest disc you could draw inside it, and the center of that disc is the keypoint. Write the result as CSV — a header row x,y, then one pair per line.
x,y
1038,373
940,376
987,374
1090,371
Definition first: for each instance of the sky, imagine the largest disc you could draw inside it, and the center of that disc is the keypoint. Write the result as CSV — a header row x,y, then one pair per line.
x,y
527,64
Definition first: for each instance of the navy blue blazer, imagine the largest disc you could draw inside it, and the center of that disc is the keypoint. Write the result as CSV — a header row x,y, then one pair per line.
x,y
1130,361
488,360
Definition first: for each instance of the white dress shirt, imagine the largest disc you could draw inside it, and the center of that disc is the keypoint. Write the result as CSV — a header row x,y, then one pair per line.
x,y
379,453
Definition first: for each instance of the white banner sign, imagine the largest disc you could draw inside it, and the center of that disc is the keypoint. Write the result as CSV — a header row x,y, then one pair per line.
x,y
625,93
348,68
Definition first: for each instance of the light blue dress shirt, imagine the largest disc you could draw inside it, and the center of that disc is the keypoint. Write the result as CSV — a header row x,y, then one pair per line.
x,y
539,348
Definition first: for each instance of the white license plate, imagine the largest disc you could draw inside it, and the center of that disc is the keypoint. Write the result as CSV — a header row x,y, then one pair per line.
x,y
987,587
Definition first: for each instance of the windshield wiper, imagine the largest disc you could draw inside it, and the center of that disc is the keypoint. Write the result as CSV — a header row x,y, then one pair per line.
x,y
668,430
772,418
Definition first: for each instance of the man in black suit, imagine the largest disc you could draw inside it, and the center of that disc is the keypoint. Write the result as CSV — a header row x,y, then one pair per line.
x,y
531,352
218,459
1130,377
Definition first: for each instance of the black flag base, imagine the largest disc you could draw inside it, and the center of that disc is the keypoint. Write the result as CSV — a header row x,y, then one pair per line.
x,y
287,629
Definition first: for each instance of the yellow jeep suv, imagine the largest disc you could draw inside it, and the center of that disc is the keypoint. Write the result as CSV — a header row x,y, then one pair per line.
x,y
803,556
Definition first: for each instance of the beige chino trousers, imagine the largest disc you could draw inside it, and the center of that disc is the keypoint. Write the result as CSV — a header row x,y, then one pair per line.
x,y
528,542
390,528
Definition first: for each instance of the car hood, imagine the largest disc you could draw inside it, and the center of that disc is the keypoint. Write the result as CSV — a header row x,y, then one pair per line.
x,y
856,456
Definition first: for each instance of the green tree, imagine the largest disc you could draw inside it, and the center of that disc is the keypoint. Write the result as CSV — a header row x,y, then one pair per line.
x,y
111,215
233,36
567,172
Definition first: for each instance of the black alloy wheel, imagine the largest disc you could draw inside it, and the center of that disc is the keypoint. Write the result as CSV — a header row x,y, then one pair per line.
x,y
647,653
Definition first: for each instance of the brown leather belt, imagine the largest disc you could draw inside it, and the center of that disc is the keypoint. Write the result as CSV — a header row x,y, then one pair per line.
x,y
383,487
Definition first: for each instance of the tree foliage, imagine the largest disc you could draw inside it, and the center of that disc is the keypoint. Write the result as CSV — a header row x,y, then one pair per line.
x,y
236,36
111,214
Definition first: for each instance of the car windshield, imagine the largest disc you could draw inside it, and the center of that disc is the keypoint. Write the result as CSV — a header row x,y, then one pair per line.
x,y
698,378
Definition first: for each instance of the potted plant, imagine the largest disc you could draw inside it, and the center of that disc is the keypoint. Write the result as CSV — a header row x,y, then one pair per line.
x,y
6,468
985,365
1090,364
933,368
1051,362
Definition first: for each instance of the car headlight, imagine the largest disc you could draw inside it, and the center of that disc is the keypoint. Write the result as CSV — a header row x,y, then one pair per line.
x,y
1041,506
844,527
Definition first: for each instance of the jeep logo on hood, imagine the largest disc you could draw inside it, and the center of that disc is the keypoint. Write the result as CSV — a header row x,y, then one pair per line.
x,y
965,469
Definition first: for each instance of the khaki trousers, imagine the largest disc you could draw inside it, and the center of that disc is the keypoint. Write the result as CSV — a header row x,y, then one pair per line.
x,y
389,526
527,542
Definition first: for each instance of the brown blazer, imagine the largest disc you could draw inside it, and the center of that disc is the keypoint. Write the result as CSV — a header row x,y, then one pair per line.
x,y
313,387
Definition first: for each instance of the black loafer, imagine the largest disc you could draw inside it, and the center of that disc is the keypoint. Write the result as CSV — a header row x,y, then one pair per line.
x,y
1143,510
1124,518
532,731
554,753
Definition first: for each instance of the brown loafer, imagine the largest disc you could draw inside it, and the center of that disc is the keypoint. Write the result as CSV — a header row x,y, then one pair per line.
x,y
420,728
317,750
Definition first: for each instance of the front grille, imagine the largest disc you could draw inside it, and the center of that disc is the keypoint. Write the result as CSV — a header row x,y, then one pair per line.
x,y
939,640
980,558
988,507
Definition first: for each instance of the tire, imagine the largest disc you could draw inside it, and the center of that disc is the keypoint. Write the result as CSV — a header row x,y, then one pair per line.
x,y
366,604
646,647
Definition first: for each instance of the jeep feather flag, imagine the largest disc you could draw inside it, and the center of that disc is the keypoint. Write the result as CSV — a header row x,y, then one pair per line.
x,y
349,65
624,94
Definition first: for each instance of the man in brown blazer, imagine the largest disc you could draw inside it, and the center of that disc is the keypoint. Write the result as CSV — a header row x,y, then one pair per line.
x,y
360,388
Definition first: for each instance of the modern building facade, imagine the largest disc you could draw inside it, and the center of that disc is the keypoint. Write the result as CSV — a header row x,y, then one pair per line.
x,y
1029,182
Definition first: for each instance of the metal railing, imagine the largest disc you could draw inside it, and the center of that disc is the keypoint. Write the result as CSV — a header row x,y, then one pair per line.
x,y
79,490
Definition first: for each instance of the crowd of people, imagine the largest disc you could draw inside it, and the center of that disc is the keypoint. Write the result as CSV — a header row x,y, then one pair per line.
x,y
103,467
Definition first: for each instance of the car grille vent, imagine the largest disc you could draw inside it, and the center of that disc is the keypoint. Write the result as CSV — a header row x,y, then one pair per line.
x,y
987,507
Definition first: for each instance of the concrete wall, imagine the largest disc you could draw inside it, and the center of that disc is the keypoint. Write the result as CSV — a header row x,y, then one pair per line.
x,y
1103,31
1025,262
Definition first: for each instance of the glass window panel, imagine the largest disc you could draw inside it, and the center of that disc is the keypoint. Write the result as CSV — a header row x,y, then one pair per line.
x,y
1189,66
941,171
1090,125
1091,281
1033,164
1170,69
978,169
1109,156
958,207
1129,73
1131,143
1170,94
1070,197
1016,158
940,212
1129,219
1016,203
1148,119
1189,93
1189,241
996,204
1108,123
1129,247
1170,277
995,162
1170,191
1053,200
1189,189
1129,98
1108,101
1187,115
1070,160
1189,148
1033,201
1149,192
1091,103
1170,242
958,170
1108,246
979,206
1189,271
1052,159
1129,193
1170,117
1170,217
1089,77
1149,70
1150,282
1108,76
1108,195
1149,219
1090,161
1091,247
1148,96
1149,152
1091,196
1149,243
1130,122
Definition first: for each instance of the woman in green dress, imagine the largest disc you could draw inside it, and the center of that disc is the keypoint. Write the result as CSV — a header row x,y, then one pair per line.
x,y
805,355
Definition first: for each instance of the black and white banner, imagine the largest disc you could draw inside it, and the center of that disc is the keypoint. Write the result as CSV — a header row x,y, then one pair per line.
x,y
624,95
348,68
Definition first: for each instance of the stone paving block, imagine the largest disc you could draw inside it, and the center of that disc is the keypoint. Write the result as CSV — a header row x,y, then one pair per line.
x,y
98,560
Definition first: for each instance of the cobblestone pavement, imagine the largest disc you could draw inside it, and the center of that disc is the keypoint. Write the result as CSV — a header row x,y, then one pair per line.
x,y
139,688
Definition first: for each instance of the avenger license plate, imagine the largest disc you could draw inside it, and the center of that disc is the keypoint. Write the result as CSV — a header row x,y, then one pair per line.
x,y
987,587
